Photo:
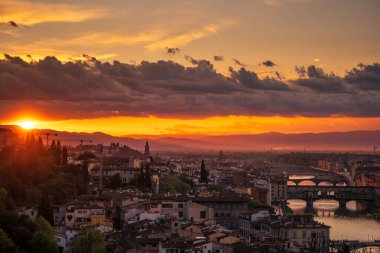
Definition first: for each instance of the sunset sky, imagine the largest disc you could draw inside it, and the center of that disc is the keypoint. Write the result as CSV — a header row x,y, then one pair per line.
x,y
183,67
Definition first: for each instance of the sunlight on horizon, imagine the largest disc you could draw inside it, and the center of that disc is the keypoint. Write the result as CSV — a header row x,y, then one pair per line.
x,y
27,124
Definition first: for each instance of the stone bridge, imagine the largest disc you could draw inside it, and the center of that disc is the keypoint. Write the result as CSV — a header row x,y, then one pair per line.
x,y
333,179
347,246
343,194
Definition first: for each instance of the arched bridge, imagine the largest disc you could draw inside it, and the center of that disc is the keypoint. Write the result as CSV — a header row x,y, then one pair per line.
x,y
352,246
343,194
317,180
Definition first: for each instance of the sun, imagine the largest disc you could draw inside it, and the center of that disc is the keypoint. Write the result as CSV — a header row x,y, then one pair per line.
x,y
27,124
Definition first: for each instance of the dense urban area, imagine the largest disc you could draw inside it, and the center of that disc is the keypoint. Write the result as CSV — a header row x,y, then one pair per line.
x,y
111,198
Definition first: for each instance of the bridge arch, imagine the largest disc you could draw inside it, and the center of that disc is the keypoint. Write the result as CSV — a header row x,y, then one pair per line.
x,y
307,182
325,183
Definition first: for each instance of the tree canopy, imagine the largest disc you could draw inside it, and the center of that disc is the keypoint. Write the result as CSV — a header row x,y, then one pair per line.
x,y
89,240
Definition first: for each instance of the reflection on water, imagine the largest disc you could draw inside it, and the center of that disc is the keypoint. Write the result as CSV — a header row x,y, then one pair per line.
x,y
350,223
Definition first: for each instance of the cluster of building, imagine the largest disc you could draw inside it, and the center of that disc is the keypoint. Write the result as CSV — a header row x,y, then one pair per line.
x,y
135,219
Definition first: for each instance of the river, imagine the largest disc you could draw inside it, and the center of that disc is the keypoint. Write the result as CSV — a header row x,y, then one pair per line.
x,y
351,223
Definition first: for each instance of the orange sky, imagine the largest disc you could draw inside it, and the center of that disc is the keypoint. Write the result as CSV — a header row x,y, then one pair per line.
x,y
120,126
135,86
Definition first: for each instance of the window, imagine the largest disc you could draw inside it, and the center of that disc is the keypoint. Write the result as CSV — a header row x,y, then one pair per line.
x,y
180,205
294,234
167,205
180,214
228,215
203,214
303,234
216,214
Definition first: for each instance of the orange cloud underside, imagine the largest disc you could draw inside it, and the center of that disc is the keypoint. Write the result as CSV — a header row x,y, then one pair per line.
x,y
223,125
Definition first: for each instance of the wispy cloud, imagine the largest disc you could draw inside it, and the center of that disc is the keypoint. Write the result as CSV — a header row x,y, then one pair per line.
x,y
107,38
153,39
176,40
31,13
282,2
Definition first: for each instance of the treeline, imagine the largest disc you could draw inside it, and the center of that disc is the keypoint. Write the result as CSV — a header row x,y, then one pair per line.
x,y
28,171
18,234
176,184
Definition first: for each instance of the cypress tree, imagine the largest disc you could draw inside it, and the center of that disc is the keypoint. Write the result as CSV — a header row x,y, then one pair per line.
x,y
45,209
204,173
148,180
65,156
53,146
40,144
27,140
32,139
58,153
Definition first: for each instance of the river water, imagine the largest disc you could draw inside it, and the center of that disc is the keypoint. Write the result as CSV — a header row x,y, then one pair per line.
x,y
351,223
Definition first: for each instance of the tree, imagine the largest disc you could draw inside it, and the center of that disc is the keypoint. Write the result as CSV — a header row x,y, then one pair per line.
x,y
65,156
44,226
204,173
174,184
42,243
45,210
116,218
86,156
148,179
32,139
141,179
6,244
58,153
89,240
6,203
114,182
19,229
40,144
257,205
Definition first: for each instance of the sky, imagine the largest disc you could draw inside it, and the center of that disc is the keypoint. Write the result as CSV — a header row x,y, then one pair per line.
x,y
184,67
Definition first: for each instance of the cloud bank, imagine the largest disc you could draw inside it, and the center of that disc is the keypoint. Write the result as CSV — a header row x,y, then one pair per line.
x,y
91,88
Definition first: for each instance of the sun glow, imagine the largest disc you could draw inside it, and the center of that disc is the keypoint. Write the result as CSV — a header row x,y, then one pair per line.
x,y
27,124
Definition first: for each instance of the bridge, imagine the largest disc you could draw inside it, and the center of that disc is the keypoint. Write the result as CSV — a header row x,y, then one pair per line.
x,y
317,180
352,246
343,194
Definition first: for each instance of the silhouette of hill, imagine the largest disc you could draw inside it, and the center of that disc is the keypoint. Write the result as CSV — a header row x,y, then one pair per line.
x,y
345,141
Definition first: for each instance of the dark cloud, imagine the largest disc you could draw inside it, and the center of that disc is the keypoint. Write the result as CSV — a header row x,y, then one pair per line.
x,y
316,79
251,80
92,88
172,50
11,23
191,59
218,58
239,63
365,77
268,63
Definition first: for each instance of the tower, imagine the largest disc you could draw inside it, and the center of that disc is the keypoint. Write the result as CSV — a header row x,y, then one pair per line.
x,y
146,152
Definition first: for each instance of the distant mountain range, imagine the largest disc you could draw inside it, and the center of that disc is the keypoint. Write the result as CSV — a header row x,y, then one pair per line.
x,y
344,141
